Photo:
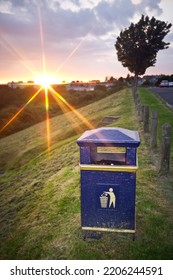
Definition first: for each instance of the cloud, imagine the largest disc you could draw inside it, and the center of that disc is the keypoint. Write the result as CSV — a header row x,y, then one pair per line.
x,y
69,18
151,6
95,23
117,12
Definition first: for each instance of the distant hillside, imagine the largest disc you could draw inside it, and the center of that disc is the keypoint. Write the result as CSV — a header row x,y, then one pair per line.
x,y
12,100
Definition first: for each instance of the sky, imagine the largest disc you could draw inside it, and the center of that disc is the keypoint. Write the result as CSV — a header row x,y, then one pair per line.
x,y
73,39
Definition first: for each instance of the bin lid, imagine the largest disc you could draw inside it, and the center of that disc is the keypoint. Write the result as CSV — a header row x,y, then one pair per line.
x,y
110,135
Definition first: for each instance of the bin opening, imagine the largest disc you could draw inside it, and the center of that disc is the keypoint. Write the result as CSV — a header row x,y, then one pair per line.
x,y
110,156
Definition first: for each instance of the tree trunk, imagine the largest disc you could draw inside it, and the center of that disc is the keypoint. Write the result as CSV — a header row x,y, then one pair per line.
x,y
136,81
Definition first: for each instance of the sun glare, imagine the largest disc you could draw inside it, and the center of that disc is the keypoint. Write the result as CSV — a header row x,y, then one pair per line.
x,y
45,81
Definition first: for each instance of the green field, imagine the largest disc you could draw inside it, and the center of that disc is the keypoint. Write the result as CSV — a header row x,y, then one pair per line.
x,y
40,191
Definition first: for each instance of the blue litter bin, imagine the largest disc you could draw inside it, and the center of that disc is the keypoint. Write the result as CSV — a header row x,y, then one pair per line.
x,y
108,165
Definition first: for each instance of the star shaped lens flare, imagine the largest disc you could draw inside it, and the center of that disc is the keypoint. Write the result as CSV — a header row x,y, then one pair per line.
x,y
45,82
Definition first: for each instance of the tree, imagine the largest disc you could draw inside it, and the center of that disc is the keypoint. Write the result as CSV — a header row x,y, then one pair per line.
x,y
138,45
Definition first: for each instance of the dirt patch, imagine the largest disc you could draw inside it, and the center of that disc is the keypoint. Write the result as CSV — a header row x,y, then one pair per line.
x,y
109,120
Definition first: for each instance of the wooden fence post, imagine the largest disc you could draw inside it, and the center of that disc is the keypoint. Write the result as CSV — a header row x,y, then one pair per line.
x,y
154,123
134,92
136,98
165,149
141,112
146,119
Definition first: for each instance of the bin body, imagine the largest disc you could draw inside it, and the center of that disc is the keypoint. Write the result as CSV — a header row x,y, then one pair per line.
x,y
108,165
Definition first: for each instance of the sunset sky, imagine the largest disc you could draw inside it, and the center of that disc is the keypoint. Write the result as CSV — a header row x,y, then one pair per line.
x,y
73,39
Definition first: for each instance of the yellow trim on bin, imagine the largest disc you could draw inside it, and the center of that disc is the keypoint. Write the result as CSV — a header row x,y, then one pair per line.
x,y
109,229
113,168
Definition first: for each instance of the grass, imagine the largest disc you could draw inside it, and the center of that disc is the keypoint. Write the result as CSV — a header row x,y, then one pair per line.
x,y
164,113
40,192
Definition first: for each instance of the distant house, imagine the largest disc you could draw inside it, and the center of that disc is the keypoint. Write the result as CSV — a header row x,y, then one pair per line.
x,y
108,84
13,84
152,79
109,81
80,86
94,82
20,84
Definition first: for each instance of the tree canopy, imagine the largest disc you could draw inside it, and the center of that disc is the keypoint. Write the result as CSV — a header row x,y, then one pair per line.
x,y
138,45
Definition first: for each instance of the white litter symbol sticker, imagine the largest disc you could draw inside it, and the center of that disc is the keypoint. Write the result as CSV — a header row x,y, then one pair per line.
x,y
108,199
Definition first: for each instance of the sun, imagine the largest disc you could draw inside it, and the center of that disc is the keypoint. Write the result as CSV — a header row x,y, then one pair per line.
x,y
46,81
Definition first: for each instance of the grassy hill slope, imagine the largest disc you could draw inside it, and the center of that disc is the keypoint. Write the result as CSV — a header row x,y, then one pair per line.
x,y
40,193
13,100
